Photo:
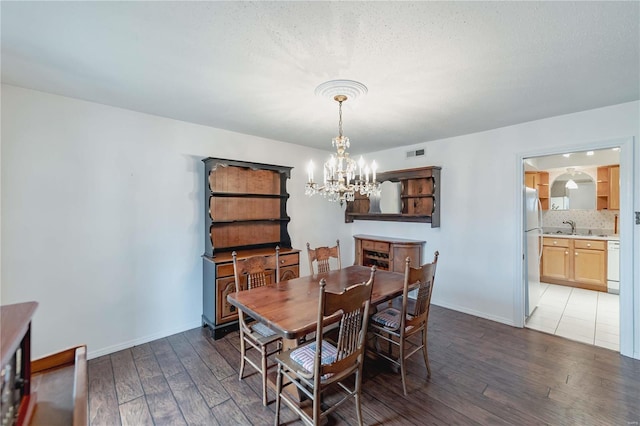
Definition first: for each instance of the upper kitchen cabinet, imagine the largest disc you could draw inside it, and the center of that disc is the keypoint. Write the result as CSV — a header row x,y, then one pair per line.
x,y
539,181
608,188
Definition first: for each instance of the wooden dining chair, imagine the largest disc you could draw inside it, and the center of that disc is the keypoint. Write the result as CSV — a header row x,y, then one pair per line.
x,y
396,324
250,273
322,256
319,364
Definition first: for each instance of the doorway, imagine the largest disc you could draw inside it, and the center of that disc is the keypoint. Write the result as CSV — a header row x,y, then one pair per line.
x,y
571,287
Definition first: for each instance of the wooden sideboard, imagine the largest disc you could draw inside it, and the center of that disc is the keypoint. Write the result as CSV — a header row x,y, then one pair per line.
x,y
51,391
246,212
387,253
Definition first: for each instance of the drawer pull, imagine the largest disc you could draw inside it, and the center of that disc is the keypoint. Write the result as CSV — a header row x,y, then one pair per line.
x,y
588,244
555,242
282,261
576,254
566,252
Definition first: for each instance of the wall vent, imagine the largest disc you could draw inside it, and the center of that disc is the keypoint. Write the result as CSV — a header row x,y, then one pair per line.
x,y
415,153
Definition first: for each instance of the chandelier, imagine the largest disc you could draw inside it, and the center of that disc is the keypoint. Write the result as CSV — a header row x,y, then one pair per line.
x,y
343,177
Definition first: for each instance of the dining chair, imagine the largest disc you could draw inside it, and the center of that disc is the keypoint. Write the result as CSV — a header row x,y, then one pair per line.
x,y
322,257
396,324
319,364
249,273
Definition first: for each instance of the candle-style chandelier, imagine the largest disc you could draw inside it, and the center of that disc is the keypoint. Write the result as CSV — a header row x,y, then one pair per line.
x,y
343,176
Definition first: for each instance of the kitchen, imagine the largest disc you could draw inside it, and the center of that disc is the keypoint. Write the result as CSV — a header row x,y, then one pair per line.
x,y
573,251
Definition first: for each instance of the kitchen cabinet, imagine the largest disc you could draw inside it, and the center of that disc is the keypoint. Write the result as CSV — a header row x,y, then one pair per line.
x,y
608,188
555,259
574,262
539,181
246,212
387,253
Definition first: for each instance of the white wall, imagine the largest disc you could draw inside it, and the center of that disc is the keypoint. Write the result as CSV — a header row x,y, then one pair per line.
x,y
103,217
480,203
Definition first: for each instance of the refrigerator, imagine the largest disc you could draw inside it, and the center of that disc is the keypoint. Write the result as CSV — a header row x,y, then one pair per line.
x,y
532,249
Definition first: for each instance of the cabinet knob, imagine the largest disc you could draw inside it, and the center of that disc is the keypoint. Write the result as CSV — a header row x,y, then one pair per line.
x,y
555,242
282,261
576,254
566,252
588,244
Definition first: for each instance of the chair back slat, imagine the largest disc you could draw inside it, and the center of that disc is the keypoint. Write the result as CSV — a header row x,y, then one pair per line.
x,y
322,257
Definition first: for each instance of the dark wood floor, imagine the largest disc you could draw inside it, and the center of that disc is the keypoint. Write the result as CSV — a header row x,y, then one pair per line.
x,y
482,373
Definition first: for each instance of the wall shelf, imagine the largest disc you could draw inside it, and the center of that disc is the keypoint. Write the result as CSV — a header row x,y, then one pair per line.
x,y
419,198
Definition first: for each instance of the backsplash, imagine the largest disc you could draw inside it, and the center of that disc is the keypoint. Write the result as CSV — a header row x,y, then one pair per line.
x,y
599,221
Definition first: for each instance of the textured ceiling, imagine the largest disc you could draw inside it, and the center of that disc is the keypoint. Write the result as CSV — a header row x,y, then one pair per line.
x,y
433,69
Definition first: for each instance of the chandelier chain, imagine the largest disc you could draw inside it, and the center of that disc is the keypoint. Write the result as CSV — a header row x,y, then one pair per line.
x,y
340,120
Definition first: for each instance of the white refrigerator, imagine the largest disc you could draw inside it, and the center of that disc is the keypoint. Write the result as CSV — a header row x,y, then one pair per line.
x,y
532,249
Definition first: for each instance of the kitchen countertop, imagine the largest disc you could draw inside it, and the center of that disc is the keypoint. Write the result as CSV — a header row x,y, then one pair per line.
x,y
583,237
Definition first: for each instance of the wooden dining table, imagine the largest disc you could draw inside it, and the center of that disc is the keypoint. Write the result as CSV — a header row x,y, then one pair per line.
x,y
291,306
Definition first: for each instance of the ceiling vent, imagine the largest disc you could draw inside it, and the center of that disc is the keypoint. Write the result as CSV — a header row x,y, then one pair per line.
x,y
415,153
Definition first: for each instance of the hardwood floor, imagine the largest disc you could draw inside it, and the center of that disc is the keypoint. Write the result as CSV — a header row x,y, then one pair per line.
x,y
483,373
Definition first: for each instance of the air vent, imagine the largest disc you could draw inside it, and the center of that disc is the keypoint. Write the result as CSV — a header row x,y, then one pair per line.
x,y
415,153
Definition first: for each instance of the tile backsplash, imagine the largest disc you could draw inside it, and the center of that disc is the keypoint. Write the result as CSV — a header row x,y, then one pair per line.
x,y
599,221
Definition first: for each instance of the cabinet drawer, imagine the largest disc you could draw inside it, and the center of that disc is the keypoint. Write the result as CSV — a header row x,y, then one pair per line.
x,y
556,242
289,259
368,245
375,245
289,273
590,244
224,270
383,247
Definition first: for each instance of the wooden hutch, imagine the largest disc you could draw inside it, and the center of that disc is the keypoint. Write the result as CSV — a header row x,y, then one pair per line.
x,y
245,212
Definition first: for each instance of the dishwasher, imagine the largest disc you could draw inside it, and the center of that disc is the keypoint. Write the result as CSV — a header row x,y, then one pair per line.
x,y
613,267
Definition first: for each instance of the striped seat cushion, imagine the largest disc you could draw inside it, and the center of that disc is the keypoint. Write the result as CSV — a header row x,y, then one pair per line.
x,y
305,355
388,317
262,330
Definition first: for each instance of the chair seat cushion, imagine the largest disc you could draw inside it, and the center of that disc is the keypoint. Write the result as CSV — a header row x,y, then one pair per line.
x,y
305,355
389,317
262,330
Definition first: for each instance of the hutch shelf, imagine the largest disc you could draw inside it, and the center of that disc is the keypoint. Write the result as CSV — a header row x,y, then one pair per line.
x,y
246,212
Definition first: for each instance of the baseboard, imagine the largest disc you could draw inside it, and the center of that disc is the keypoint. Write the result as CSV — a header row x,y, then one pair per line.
x,y
135,342
503,320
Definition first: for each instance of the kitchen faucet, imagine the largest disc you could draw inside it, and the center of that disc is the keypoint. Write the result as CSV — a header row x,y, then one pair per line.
x,y
572,224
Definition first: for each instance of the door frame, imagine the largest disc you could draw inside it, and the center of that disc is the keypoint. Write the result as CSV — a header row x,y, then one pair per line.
x,y
629,238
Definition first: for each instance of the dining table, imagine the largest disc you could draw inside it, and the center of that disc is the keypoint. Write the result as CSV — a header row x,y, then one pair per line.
x,y
291,306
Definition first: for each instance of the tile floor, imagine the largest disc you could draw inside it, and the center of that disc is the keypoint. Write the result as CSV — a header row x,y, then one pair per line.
x,y
583,315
